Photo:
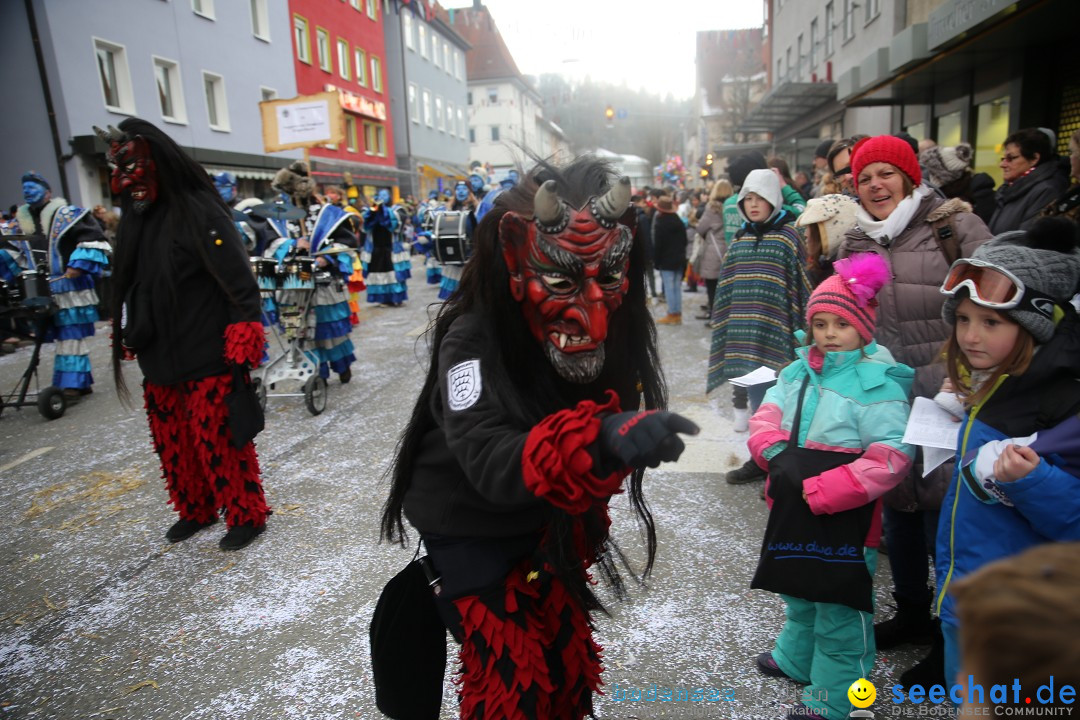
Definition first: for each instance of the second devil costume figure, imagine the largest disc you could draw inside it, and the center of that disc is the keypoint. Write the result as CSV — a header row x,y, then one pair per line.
x,y
518,439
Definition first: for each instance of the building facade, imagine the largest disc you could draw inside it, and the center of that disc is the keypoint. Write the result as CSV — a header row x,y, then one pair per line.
x,y
428,92
340,46
97,68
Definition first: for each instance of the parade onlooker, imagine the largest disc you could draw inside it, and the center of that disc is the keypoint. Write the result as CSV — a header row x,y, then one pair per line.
x,y
830,433
107,219
709,232
949,169
804,185
839,160
920,234
1031,180
1020,620
669,254
826,219
821,166
1068,203
1014,362
760,300
644,235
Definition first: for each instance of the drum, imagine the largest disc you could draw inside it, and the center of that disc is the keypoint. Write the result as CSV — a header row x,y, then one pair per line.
x,y
34,288
450,238
297,273
324,277
5,296
265,270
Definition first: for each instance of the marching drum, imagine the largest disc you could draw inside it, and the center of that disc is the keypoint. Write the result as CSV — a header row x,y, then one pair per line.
x,y
34,288
265,270
298,273
450,240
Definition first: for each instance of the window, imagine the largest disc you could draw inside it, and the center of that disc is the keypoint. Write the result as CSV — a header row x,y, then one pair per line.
x,y
787,61
268,93
360,58
355,4
472,135
873,9
779,69
494,133
813,43
343,59
493,95
205,8
322,47
374,139
849,20
426,101
414,113
799,57
260,23
468,98
446,56
829,18
461,122
440,119
300,35
406,30
421,30
373,9
460,65
350,133
114,76
992,120
450,126
217,109
369,139
380,141
170,90
376,74
436,58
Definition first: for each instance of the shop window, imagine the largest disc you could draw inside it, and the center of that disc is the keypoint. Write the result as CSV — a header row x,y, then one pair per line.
x,y
991,130
949,130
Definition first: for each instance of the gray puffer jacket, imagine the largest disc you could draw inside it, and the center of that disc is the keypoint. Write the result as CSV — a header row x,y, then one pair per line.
x,y
711,230
909,319
1019,204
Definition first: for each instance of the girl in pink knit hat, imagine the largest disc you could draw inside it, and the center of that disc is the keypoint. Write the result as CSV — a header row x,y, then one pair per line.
x,y
829,433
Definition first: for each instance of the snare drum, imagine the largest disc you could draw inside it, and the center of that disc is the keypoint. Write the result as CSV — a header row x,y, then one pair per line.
x,y
298,273
265,270
34,288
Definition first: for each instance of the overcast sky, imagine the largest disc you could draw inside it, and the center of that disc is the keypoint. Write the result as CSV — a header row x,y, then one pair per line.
x,y
645,43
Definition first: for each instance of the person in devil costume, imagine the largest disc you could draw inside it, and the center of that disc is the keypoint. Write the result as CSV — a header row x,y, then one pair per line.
x,y
187,307
527,423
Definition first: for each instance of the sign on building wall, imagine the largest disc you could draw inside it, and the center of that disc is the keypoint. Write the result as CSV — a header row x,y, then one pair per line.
x,y
302,122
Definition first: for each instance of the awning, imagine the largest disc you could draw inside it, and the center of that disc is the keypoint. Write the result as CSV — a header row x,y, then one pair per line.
x,y
785,104
432,170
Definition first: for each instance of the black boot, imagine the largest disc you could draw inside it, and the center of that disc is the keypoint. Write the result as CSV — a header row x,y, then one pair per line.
x,y
912,623
240,535
748,473
183,529
931,669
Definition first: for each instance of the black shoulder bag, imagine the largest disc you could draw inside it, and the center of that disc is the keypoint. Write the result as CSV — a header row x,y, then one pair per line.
x,y
246,419
814,557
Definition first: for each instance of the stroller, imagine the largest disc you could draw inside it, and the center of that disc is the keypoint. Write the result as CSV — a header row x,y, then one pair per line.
x,y
29,305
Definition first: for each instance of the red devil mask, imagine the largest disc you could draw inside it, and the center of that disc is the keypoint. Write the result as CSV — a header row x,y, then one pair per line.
x,y
568,269
133,171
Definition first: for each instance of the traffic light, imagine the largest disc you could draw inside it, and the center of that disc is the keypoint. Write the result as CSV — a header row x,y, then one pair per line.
x,y
708,159
609,112
706,172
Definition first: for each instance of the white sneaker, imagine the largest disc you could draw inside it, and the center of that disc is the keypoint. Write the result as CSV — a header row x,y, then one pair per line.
x,y
742,419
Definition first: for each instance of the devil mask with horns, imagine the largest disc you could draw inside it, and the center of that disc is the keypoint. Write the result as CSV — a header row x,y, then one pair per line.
x,y
132,166
568,269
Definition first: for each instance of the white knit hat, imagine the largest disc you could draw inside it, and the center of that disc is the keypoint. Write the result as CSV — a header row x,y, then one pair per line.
x,y
946,164
836,213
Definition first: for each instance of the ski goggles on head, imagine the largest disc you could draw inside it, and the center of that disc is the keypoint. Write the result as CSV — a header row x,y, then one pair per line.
x,y
995,287
987,285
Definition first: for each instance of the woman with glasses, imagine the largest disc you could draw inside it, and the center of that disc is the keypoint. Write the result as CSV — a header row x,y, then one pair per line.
x,y
839,161
1032,179
920,234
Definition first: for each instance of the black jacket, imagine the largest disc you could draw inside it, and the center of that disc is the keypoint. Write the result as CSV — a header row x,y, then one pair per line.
x,y
669,242
1019,204
467,478
179,335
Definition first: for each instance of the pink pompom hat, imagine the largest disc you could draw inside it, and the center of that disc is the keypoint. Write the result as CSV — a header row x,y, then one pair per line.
x,y
850,293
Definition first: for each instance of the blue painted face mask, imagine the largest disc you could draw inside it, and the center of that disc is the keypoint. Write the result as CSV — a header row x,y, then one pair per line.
x,y
513,177
33,192
476,183
383,196
461,192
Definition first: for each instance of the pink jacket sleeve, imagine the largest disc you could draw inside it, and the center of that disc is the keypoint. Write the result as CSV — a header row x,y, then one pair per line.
x,y
765,432
880,469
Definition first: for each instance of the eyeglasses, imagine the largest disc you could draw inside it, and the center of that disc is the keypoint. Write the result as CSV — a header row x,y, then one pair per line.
x,y
846,170
987,285
1010,158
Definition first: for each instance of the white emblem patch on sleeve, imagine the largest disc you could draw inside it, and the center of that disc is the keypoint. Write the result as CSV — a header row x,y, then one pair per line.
x,y
463,385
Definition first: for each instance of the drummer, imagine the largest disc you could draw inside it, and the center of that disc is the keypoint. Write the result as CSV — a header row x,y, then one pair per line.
x,y
465,202
77,254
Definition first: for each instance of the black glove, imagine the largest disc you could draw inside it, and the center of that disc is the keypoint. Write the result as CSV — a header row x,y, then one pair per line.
x,y
643,439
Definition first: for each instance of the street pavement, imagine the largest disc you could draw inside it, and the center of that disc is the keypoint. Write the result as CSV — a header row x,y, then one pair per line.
x,y
101,618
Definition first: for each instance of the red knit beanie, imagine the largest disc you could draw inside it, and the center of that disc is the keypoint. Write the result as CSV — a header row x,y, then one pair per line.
x,y
886,149
850,292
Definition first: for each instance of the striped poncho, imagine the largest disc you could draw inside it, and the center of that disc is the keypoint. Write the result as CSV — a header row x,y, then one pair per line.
x,y
760,301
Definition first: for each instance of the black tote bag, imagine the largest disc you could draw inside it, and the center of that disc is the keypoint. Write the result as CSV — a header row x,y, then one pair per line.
x,y
814,557
246,419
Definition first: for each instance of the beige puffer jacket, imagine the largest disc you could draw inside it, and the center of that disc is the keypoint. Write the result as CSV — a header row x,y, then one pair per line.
x,y
909,320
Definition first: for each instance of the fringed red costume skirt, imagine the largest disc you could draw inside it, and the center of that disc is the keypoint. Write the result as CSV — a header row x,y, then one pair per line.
x,y
203,472
528,652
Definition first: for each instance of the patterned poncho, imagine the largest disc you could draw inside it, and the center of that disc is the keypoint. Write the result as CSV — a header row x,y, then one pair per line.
x,y
760,301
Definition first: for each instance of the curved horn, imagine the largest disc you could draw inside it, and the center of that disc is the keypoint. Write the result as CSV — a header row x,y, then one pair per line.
x,y
103,134
547,209
615,201
116,134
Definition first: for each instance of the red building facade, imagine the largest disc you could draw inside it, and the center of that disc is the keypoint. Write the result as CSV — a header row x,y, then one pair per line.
x,y
338,45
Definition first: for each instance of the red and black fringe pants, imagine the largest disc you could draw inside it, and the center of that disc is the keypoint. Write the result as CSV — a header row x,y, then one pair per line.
x,y
203,472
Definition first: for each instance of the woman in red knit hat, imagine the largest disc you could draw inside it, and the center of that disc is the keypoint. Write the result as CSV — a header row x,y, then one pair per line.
x,y
920,234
